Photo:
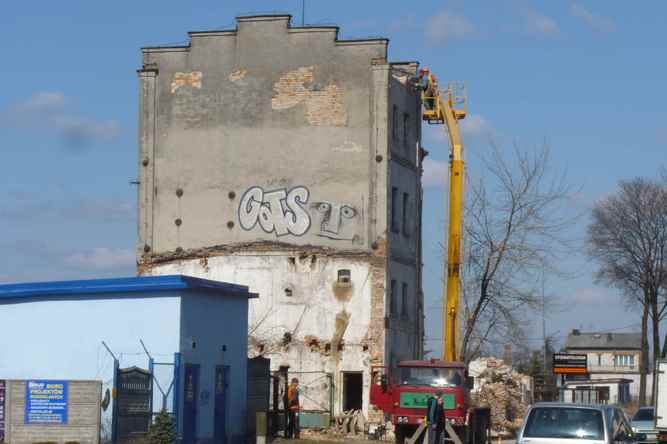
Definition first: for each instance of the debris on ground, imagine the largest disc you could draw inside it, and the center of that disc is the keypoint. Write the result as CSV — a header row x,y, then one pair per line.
x,y
506,392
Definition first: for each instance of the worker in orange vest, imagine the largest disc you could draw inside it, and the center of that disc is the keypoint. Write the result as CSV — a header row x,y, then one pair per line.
x,y
293,407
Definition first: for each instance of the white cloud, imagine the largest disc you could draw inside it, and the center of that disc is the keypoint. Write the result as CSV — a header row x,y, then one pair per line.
x,y
475,125
435,173
446,26
102,259
592,296
539,24
43,101
596,22
49,110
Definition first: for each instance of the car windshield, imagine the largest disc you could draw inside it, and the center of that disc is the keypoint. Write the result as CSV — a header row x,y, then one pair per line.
x,y
564,423
434,377
643,415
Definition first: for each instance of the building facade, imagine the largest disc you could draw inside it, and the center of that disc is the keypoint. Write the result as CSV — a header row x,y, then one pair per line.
x,y
290,160
611,357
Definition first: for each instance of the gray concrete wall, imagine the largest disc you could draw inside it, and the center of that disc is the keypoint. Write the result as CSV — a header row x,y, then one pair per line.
x,y
405,336
276,126
83,426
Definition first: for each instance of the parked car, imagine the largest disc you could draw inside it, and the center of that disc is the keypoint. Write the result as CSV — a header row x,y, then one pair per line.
x,y
644,422
553,422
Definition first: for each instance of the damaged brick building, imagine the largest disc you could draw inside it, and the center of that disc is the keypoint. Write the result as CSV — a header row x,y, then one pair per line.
x,y
288,160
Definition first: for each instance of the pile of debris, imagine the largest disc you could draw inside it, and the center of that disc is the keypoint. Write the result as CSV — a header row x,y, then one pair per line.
x,y
348,426
506,392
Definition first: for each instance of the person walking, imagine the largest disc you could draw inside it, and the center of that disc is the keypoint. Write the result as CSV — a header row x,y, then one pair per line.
x,y
435,415
293,407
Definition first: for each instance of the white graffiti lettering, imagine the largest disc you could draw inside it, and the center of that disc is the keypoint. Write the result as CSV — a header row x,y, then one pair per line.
x,y
278,211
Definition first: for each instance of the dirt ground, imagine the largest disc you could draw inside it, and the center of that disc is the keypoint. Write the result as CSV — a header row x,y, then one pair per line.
x,y
332,439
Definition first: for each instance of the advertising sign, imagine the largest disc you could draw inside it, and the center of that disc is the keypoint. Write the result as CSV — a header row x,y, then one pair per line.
x,y
46,402
3,389
569,364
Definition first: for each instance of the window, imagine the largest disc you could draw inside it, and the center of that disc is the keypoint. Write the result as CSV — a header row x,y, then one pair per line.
x,y
344,276
404,300
404,219
394,209
431,376
406,129
564,423
624,360
394,123
392,297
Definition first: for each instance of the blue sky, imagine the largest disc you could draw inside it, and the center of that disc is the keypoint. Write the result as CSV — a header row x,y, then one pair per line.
x,y
589,77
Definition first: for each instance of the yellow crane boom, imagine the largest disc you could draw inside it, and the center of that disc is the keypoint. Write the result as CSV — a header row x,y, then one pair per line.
x,y
441,109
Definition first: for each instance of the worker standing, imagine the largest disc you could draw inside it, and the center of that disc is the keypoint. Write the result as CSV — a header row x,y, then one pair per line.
x,y
428,86
293,407
436,418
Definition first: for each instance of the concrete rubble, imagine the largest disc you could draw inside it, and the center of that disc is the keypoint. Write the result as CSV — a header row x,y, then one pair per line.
x,y
506,392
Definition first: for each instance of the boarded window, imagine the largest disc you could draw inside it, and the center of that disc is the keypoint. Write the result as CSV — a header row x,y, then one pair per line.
x,y
404,300
394,210
406,130
405,207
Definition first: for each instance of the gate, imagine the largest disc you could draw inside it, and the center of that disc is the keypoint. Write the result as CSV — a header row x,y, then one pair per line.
x,y
259,375
191,395
220,407
316,391
135,403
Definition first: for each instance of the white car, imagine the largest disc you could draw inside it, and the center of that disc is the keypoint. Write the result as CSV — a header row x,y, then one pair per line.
x,y
551,423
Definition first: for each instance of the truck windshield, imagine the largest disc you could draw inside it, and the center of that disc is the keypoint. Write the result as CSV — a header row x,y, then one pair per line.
x,y
434,377
564,423
644,415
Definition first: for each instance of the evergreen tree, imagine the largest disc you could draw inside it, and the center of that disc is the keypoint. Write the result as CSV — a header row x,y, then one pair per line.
x,y
162,430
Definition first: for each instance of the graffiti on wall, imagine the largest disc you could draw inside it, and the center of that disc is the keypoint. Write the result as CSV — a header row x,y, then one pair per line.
x,y
277,211
288,211
333,220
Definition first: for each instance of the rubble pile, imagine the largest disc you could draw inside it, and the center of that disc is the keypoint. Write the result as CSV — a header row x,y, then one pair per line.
x,y
504,391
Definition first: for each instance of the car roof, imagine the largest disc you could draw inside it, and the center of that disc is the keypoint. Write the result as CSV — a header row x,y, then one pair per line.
x,y
571,405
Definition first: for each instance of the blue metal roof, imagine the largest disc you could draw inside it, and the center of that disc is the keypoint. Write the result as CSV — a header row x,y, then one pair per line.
x,y
96,287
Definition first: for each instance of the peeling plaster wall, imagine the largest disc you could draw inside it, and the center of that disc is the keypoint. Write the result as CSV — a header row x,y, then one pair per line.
x,y
268,110
298,297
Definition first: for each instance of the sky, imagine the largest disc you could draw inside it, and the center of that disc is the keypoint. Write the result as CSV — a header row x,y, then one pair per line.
x,y
587,77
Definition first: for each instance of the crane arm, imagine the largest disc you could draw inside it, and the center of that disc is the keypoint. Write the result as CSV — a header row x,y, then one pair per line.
x,y
441,110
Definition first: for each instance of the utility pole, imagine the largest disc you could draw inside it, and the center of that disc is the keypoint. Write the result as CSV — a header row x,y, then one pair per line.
x,y
544,329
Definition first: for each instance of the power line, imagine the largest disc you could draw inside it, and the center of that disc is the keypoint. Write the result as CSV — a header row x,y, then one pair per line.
x,y
610,330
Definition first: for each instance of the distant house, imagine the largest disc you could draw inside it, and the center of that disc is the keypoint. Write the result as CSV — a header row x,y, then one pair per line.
x,y
613,363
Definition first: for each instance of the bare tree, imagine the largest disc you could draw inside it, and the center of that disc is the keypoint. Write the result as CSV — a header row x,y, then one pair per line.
x,y
516,220
628,238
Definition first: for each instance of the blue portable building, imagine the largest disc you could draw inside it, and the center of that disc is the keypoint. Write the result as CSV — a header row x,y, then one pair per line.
x,y
195,327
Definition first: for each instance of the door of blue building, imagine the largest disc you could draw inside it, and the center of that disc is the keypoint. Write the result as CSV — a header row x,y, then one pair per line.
x,y
220,410
190,397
